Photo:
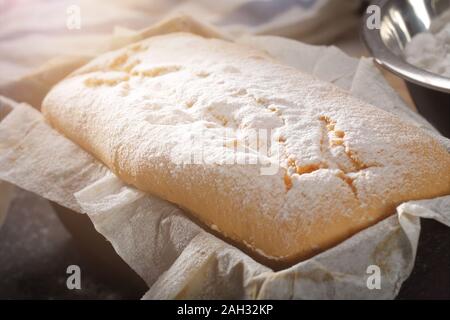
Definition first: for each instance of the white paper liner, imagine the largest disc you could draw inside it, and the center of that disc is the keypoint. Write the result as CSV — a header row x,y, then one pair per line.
x,y
178,259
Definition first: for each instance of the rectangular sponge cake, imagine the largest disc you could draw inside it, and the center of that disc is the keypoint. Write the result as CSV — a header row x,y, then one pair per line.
x,y
339,164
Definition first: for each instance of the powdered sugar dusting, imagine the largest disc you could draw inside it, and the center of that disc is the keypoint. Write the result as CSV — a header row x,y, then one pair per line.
x,y
340,159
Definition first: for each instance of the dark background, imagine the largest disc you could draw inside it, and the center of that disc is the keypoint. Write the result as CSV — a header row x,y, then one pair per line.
x,y
35,251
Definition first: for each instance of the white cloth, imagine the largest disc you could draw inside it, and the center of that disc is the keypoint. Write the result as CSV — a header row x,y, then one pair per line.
x,y
33,32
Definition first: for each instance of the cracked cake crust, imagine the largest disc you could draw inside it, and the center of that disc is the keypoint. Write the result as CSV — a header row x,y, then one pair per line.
x,y
344,165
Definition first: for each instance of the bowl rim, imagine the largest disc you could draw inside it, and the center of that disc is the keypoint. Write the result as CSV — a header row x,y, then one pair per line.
x,y
388,60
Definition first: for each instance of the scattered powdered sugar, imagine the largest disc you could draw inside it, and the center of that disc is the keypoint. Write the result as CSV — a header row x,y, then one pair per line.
x,y
336,151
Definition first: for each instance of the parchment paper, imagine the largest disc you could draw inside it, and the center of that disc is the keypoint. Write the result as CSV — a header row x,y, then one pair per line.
x,y
177,258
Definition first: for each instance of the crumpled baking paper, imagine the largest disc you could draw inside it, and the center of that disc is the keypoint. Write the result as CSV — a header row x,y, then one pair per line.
x,y
177,258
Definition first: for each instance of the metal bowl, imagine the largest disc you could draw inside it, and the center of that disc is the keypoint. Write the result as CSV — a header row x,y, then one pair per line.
x,y
401,20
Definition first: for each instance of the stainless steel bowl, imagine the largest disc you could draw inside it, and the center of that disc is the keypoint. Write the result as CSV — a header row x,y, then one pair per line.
x,y
401,20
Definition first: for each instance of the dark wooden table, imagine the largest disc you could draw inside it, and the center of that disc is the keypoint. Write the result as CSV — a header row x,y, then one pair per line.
x,y
35,251
430,278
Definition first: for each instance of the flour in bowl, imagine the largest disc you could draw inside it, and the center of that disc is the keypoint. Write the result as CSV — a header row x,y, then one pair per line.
x,y
431,50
